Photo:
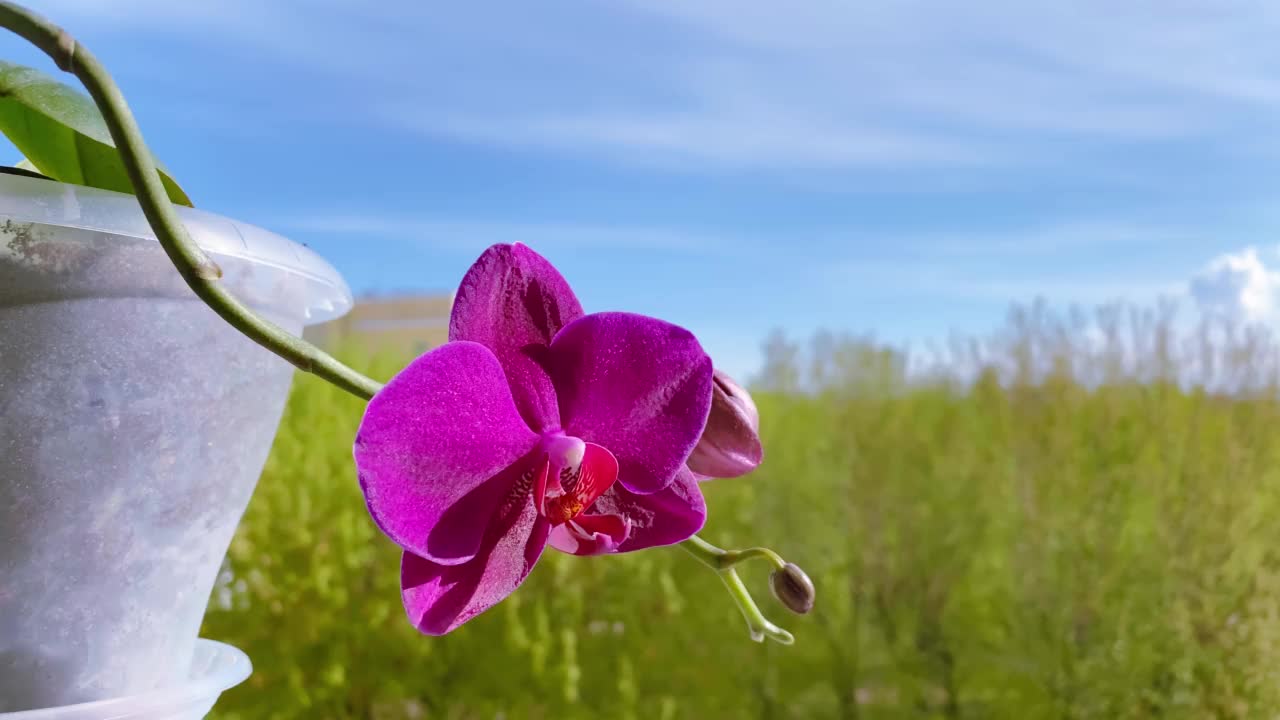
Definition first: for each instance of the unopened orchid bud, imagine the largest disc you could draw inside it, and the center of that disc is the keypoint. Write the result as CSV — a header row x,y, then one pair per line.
x,y
793,588
730,444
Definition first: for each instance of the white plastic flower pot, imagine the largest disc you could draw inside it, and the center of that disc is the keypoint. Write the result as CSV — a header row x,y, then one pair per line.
x,y
134,423
214,668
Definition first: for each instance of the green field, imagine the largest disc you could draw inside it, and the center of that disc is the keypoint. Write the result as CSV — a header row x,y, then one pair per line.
x,y
1074,535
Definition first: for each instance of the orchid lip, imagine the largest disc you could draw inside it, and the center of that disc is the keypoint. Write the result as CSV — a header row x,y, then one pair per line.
x,y
571,476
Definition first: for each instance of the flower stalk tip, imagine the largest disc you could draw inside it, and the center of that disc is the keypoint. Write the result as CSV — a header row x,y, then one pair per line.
x,y
723,562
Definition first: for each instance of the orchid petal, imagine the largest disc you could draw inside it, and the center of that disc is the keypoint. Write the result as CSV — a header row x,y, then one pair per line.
x,y
590,534
669,516
514,301
438,449
638,386
439,598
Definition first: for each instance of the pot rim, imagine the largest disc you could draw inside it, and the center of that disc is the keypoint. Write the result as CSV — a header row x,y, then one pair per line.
x,y
25,199
216,667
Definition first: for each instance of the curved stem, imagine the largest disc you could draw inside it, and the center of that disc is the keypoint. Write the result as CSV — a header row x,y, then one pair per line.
x,y
201,274
722,561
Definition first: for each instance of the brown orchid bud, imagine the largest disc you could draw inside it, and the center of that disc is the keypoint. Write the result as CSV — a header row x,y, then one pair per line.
x,y
730,444
793,588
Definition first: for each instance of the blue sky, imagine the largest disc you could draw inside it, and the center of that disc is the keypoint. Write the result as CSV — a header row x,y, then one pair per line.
x,y
901,168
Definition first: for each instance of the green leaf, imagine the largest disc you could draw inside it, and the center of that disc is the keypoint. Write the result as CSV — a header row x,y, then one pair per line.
x,y
62,134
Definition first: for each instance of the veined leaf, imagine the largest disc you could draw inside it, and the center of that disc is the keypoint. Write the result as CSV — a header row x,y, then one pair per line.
x,y
62,134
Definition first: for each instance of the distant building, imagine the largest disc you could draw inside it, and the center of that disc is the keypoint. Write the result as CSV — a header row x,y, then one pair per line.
x,y
403,324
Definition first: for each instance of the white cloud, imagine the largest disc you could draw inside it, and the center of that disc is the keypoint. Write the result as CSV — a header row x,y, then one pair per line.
x,y
1237,286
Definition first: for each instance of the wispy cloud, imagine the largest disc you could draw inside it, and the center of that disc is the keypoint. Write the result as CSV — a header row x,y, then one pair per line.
x,y
1042,240
749,84
830,249
932,282
1078,58
706,138
1058,262
241,20
1241,286
843,85
477,235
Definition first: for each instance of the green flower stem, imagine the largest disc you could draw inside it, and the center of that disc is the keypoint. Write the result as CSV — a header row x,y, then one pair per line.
x,y
201,274
722,561
758,625
719,559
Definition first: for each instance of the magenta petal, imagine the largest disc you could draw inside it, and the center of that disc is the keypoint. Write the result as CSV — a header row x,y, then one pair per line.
x,y
514,301
436,448
669,516
638,386
439,598
591,534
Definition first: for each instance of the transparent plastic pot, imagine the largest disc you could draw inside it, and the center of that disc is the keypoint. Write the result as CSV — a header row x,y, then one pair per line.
x,y
215,667
134,423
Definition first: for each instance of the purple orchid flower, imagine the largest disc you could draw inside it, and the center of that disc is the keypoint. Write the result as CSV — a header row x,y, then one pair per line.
x,y
534,425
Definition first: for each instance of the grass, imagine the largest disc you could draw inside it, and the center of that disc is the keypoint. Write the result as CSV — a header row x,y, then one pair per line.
x,y
1058,521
